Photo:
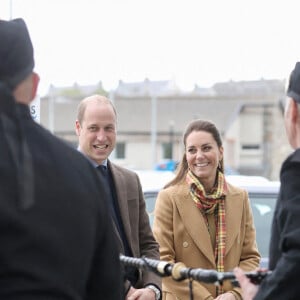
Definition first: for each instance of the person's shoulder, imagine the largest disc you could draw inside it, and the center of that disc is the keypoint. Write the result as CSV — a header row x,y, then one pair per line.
x,y
39,135
58,149
176,189
124,171
290,167
235,189
295,156
292,161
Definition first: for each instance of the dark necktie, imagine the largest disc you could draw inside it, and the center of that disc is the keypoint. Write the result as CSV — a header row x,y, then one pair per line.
x,y
104,173
110,200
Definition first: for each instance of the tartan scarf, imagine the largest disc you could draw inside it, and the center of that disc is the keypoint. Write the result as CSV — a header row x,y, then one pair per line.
x,y
212,202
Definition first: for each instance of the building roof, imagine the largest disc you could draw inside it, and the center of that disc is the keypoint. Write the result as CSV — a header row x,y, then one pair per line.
x,y
75,90
146,88
134,102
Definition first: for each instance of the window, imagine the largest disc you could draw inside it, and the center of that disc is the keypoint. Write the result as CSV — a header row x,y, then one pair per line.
x,y
120,150
250,147
167,150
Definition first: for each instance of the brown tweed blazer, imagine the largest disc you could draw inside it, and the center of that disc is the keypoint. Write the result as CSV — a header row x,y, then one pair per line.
x,y
135,220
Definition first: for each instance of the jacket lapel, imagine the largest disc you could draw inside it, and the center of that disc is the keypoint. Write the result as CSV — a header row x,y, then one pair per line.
x,y
233,209
120,186
194,222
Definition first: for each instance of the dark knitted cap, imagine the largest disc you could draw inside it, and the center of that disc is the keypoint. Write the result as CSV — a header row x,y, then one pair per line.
x,y
16,52
293,90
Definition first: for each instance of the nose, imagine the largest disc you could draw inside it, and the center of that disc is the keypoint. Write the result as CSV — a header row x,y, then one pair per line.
x,y
101,134
199,154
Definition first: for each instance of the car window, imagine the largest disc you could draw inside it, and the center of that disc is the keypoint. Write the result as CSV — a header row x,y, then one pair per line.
x,y
150,198
263,206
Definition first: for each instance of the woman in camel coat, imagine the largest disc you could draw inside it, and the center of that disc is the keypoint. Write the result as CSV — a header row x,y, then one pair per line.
x,y
203,221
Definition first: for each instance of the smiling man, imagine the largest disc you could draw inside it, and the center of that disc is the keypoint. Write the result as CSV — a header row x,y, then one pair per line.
x,y
96,128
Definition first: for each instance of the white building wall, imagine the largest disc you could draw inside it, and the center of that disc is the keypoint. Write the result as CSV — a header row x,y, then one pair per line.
x,y
138,156
231,142
251,133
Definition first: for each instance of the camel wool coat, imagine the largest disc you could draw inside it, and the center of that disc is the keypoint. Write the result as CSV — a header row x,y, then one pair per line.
x,y
182,234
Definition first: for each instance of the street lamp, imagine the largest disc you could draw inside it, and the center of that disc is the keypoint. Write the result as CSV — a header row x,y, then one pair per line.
x,y
171,138
10,9
153,128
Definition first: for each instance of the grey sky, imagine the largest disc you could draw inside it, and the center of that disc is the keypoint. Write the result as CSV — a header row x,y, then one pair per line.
x,y
191,41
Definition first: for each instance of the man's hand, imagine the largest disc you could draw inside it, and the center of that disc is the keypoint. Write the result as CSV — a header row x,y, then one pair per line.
x,y
140,294
249,290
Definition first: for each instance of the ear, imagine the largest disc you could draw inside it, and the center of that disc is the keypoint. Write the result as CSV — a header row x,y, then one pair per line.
x,y
294,112
77,128
221,149
35,84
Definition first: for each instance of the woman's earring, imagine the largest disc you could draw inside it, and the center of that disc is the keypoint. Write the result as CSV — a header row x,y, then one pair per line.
x,y
220,165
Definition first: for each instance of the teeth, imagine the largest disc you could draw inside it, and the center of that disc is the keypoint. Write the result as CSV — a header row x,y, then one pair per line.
x,y
202,165
100,146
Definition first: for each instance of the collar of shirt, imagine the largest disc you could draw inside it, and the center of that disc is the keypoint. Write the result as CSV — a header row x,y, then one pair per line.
x,y
95,164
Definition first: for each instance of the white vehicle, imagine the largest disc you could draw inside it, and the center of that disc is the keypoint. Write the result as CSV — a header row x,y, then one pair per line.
x,y
153,180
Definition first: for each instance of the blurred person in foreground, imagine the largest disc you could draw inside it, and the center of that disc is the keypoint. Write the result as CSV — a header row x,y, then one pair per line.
x,y
54,231
203,221
96,128
284,254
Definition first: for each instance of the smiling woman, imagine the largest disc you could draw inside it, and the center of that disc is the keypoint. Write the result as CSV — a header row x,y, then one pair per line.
x,y
200,216
204,155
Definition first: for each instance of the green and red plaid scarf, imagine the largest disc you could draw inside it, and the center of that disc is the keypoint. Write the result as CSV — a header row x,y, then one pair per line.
x,y
212,202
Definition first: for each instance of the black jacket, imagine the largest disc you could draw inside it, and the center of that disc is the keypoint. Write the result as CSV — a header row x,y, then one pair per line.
x,y
284,261
61,246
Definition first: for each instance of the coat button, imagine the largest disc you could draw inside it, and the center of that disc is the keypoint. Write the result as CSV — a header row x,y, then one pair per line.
x,y
185,244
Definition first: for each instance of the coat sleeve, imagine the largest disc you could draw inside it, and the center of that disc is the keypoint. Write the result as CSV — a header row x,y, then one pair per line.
x,y
135,221
164,233
250,256
249,260
283,283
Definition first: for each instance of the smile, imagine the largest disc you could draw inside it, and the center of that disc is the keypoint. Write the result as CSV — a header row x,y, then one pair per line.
x,y
101,147
202,165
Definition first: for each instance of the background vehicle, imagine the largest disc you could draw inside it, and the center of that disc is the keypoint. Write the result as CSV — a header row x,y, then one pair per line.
x,y
262,194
